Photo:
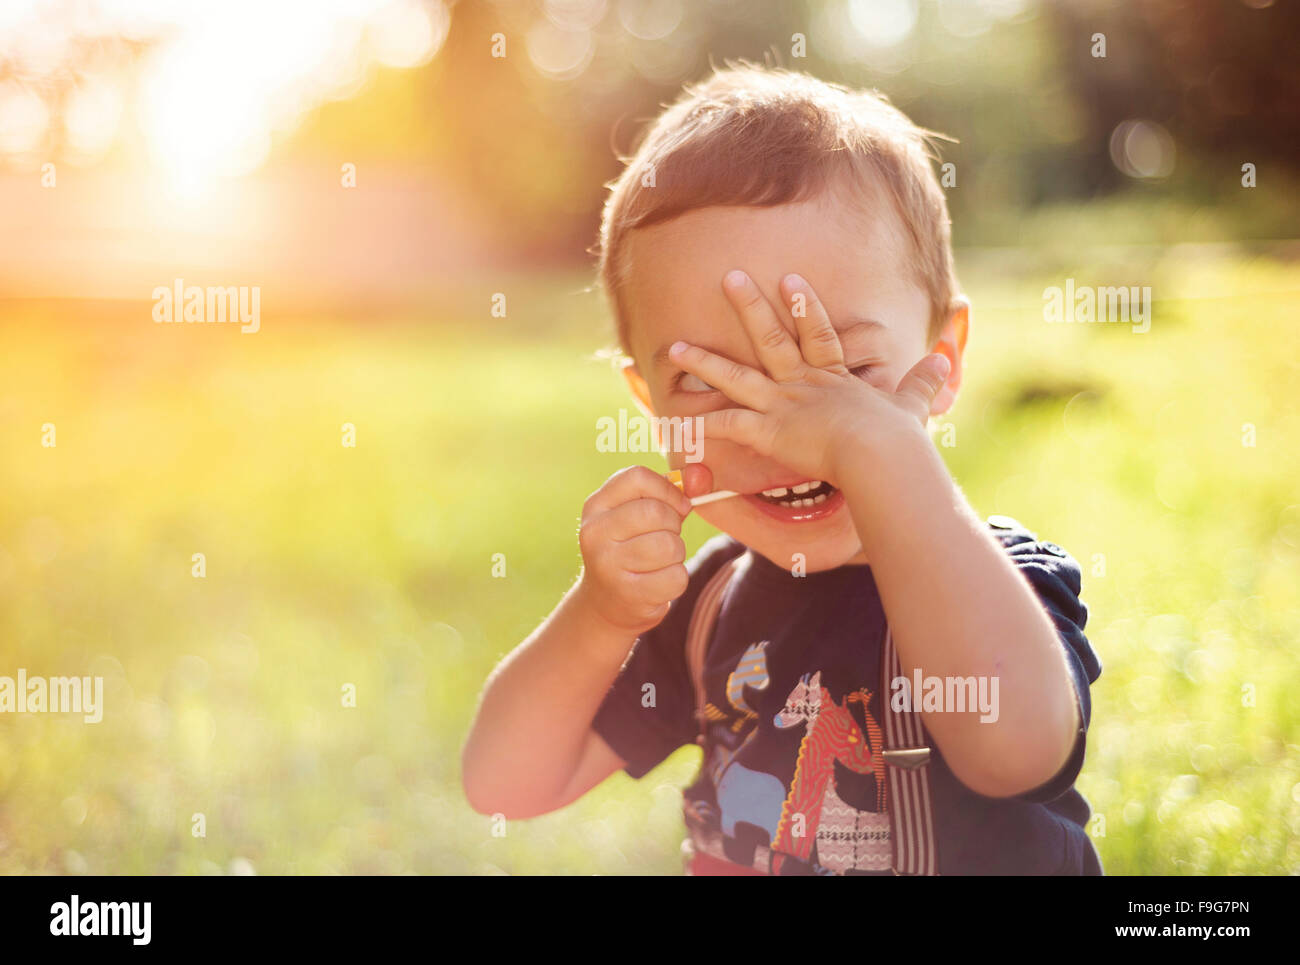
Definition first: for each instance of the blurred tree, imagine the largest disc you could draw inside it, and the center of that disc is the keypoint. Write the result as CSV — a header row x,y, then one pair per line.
x,y
1030,109
1221,75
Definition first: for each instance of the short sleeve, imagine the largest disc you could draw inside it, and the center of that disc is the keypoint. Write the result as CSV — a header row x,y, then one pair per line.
x,y
1056,577
644,735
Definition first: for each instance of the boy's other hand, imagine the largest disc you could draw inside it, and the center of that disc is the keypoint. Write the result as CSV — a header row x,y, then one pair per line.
x,y
632,550
808,411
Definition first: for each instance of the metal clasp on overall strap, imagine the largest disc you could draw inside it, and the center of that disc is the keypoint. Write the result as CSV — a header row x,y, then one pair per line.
x,y
908,758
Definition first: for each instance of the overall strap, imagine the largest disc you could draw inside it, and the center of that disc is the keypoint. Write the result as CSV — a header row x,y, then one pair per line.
x,y
906,755
908,776
703,618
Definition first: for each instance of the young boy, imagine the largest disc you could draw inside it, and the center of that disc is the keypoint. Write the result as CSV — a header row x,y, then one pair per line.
x,y
881,683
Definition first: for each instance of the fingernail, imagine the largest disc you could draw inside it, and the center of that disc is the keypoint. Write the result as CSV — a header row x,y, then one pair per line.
x,y
677,348
795,281
735,278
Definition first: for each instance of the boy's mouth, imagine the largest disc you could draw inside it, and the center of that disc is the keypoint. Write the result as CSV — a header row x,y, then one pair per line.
x,y
805,494
804,502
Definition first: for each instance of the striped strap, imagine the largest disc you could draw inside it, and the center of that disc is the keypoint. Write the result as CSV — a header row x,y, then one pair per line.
x,y
906,754
703,618
908,778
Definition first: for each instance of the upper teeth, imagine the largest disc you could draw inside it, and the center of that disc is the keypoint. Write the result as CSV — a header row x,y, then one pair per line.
x,y
797,490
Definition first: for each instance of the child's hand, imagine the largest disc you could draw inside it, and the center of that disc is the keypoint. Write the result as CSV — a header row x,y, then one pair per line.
x,y
632,550
809,410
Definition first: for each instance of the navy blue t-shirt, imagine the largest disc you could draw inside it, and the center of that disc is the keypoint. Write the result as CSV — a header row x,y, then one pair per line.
x,y
787,650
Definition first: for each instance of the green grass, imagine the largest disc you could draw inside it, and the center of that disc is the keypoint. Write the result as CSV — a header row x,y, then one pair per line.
x,y
372,566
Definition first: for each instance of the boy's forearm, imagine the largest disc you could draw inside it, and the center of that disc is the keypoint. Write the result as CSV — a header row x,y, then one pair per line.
x,y
958,608
536,710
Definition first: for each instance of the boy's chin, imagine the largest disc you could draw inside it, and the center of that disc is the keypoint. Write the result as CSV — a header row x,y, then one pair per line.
x,y
832,546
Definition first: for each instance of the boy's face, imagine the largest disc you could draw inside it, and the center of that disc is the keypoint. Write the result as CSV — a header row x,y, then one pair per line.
x,y
857,267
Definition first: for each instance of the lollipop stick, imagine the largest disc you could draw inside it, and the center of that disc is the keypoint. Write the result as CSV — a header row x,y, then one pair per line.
x,y
713,497
675,477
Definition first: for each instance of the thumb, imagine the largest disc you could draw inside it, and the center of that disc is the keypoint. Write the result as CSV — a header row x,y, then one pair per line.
x,y
922,383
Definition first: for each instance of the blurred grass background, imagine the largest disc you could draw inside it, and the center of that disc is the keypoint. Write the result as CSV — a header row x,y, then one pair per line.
x,y
151,141
476,435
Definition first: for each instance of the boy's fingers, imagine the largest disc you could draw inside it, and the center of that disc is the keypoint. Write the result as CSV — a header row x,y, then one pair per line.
x,y
667,583
741,426
922,383
637,517
738,382
635,482
777,351
651,552
818,340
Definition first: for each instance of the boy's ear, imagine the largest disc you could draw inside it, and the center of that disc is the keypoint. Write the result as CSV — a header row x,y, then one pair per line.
x,y
638,387
952,343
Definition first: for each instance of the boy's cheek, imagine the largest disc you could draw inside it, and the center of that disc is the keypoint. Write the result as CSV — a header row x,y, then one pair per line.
x,y
886,378
737,467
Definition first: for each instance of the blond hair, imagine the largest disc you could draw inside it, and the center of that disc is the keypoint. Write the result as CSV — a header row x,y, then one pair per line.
x,y
755,136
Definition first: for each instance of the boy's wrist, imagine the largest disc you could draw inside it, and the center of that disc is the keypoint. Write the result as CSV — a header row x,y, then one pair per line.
x,y
601,634
877,461
892,488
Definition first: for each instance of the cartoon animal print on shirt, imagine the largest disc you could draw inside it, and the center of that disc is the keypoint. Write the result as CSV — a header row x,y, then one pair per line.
x,y
750,671
845,838
743,794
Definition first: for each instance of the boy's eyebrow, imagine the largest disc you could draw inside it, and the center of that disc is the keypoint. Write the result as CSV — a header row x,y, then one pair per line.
x,y
855,324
